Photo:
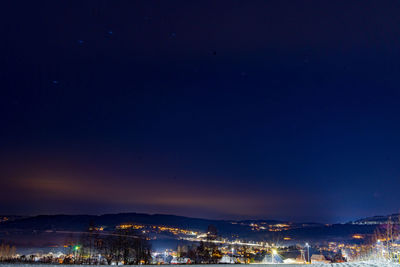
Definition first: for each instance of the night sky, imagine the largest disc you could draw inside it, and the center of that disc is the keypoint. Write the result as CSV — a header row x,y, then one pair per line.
x,y
215,109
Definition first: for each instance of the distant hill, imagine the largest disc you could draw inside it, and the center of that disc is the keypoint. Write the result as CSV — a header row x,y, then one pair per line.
x,y
4,218
376,220
54,230
110,221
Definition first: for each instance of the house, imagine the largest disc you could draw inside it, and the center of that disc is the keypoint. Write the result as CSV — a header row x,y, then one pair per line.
x,y
319,259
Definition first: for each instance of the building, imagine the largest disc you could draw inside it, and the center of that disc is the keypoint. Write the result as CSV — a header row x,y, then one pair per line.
x,y
319,259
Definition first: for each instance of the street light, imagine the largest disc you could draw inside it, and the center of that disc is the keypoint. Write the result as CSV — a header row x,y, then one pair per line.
x,y
380,247
308,252
274,252
76,248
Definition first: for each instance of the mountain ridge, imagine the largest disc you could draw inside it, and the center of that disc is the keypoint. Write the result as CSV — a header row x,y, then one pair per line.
x,y
55,228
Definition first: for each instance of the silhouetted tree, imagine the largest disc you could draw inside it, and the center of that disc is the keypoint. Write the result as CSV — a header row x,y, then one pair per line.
x,y
125,245
203,254
7,252
212,232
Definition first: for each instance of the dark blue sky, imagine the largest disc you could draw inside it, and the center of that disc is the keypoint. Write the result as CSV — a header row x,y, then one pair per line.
x,y
219,109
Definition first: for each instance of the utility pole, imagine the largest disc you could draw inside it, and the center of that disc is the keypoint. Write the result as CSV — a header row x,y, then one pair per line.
x,y
308,252
389,237
303,257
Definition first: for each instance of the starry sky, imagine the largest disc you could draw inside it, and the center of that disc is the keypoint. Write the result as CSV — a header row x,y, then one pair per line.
x,y
216,109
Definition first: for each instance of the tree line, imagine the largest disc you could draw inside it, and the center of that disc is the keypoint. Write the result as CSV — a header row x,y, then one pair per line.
x,y
7,252
125,246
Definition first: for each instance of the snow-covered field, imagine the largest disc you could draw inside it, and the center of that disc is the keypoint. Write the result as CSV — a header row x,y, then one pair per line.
x,y
348,264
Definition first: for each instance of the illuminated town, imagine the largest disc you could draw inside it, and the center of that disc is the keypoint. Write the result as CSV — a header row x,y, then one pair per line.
x,y
200,132
102,244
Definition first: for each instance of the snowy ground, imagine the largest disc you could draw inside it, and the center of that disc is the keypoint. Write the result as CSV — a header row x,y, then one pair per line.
x,y
348,264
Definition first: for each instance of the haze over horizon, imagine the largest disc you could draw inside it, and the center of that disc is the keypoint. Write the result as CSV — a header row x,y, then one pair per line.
x,y
227,109
205,218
